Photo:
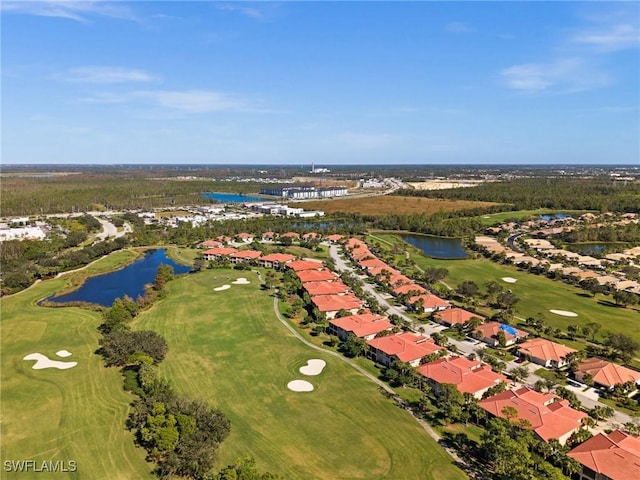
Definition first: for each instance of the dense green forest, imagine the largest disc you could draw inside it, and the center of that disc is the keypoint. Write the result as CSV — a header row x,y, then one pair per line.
x,y
601,194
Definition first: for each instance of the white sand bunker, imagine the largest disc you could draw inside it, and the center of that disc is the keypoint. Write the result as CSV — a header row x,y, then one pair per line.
x,y
44,362
223,287
509,279
300,386
241,281
63,353
564,313
313,367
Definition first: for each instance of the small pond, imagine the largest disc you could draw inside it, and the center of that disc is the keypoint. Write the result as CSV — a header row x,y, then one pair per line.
x,y
437,247
554,216
104,289
597,248
233,197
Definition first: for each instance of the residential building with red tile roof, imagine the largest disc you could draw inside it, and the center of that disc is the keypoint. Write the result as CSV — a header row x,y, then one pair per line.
x,y
549,416
456,316
407,288
291,235
276,260
402,347
545,352
361,253
488,333
430,303
468,376
612,456
374,263
365,325
330,305
268,236
245,256
355,243
396,279
244,237
335,238
300,265
384,272
326,288
606,374
210,244
311,236
215,253
323,275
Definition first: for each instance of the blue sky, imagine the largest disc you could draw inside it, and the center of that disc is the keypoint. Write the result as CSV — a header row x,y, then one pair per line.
x,y
325,82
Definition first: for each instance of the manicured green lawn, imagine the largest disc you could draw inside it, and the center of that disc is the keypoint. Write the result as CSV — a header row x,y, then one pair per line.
x,y
76,414
229,348
538,294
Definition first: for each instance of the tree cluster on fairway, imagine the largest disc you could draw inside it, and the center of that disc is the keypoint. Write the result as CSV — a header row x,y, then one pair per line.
x,y
120,347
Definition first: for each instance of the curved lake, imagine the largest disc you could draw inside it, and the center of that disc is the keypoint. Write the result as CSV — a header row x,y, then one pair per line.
x,y
104,289
437,247
233,197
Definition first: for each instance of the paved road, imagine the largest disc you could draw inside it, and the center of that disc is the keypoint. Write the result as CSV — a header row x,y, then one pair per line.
x,y
588,398
110,230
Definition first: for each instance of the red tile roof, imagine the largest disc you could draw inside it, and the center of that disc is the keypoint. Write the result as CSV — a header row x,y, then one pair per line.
x,y
211,244
316,275
491,329
374,263
326,288
361,253
616,455
607,373
244,235
363,325
300,265
355,242
278,257
335,303
408,288
407,347
290,235
430,301
468,376
550,417
383,271
335,237
453,316
396,279
220,251
545,350
247,254
311,235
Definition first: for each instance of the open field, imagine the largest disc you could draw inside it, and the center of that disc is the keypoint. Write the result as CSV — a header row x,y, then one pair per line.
x,y
391,204
76,414
229,348
537,294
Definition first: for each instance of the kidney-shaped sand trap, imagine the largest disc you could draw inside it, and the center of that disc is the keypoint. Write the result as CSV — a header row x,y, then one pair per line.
x,y
241,281
564,313
300,386
223,287
313,367
44,362
509,279
63,353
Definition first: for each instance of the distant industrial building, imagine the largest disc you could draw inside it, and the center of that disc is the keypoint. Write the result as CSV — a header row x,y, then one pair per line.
x,y
304,192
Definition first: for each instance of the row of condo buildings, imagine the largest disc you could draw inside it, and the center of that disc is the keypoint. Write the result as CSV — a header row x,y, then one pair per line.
x,y
304,192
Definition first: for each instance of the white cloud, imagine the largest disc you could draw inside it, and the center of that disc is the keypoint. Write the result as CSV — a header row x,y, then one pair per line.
x,y
96,74
251,12
561,76
78,10
610,38
458,27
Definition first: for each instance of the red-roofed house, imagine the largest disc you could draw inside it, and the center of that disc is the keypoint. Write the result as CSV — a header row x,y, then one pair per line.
x,y
330,305
215,253
397,279
323,275
326,288
311,236
549,416
385,272
409,288
268,237
488,333
545,352
365,325
335,238
456,316
210,244
300,265
245,256
374,263
403,347
361,253
428,303
276,260
613,456
244,237
291,235
468,376
354,243
606,374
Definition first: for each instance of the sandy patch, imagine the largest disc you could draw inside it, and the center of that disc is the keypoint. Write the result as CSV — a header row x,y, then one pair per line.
x,y
63,353
300,386
509,279
223,287
486,216
241,281
564,313
44,362
313,367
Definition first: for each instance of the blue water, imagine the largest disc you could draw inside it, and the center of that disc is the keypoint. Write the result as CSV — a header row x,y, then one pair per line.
x,y
554,216
104,289
437,247
232,198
